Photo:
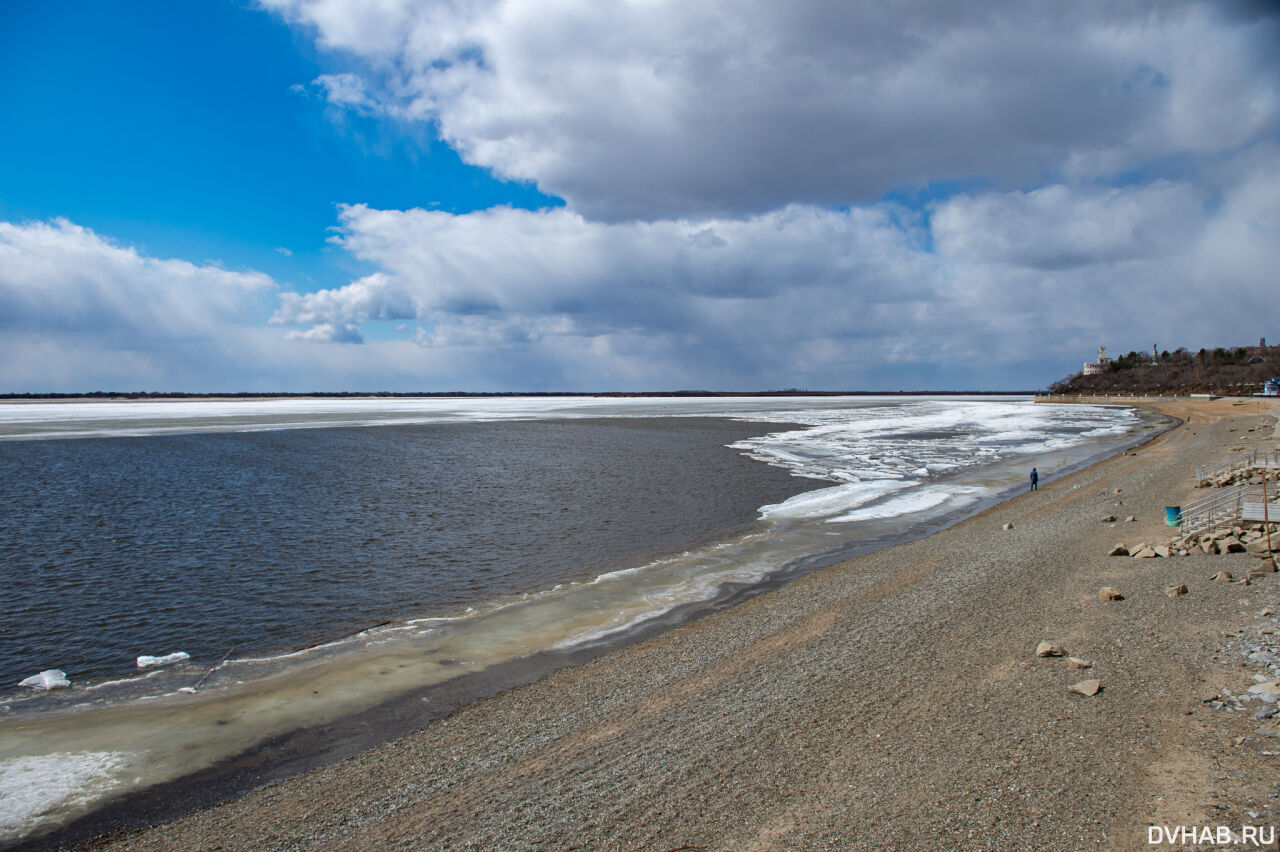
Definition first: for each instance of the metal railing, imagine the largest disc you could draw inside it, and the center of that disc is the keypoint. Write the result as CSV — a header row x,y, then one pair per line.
x,y
1244,461
1228,506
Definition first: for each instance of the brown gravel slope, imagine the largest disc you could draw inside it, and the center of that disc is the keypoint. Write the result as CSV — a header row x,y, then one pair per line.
x,y
890,702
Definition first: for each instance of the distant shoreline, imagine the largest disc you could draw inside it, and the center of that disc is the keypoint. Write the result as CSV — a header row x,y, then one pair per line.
x,y
147,396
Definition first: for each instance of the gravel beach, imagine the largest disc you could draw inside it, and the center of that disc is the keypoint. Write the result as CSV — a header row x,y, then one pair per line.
x,y
894,701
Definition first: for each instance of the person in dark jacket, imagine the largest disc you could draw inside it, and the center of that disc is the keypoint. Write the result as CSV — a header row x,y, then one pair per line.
x,y
1035,479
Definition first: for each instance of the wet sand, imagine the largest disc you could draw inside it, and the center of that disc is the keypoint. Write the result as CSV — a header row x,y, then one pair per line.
x,y
892,701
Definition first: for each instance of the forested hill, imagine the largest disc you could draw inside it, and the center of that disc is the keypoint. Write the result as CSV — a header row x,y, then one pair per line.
x,y
1236,371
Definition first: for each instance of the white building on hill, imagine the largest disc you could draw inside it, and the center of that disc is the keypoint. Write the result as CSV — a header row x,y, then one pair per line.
x,y
1095,367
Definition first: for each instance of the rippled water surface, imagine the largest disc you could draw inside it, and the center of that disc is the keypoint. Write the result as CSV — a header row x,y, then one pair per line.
x,y
121,546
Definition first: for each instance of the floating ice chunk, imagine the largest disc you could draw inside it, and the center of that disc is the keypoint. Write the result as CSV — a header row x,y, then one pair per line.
x,y
47,679
145,662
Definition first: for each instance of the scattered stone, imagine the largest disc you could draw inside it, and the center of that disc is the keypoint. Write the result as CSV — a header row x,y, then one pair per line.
x,y
1146,552
1109,519
1268,692
1265,713
1050,649
1268,732
1163,551
1209,547
1258,547
1086,687
1174,591
1119,550
1222,577
1234,545
1008,526
1245,581
1109,593
1077,663
1266,566
1130,519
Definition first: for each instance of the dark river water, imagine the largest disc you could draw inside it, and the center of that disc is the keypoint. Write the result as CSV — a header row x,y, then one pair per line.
x,y
268,541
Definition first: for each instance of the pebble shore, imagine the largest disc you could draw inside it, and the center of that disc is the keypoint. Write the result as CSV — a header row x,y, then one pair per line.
x,y
895,701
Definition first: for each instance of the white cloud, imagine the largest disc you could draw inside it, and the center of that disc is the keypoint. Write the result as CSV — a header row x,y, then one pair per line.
x,y
63,278
662,109
987,285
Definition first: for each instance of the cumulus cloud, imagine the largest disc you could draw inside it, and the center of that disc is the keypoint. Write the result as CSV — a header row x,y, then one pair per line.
x,y
664,110
990,285
77,309
63,277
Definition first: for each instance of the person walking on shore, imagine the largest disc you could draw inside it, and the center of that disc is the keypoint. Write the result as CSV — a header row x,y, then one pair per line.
x,y
1035,479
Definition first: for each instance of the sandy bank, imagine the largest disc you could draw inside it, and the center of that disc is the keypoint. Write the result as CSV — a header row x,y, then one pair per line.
x,y
893,701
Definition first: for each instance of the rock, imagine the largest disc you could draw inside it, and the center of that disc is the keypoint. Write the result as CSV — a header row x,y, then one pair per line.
x,y
1109,593
1077,663
1244,581
1175,591
1086,687
1109,519
1222,577
1050,649
1210,547
1266,713
1266,566
1268,691
1008,526
1145,553
1183,553
1119,550
1130,519
1163,551
1234,545
1258,547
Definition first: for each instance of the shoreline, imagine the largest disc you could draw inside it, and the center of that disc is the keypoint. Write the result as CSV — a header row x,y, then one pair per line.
x,y
797,615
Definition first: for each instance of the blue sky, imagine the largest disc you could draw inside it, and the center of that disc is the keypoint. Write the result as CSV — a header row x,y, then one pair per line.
x,y
410,195
178,128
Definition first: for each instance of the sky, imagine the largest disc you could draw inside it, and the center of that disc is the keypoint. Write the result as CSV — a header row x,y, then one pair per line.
x,y
510,195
